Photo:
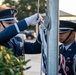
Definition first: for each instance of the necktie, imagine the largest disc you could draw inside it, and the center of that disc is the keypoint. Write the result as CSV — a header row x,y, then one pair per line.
x,y
64,49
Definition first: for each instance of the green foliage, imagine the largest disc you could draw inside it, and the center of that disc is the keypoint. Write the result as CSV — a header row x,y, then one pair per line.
x,y
26,7
11,65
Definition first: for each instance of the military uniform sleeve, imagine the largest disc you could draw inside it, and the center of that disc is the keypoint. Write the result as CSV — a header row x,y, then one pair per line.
x,y
12,31
33,48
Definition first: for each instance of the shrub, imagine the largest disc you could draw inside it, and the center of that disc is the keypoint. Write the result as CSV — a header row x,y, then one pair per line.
x,y
11,65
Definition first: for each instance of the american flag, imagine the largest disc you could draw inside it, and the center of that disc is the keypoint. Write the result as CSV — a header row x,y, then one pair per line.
x,y
63,64
74,64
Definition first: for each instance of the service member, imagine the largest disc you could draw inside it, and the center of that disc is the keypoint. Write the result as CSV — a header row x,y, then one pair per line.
x,y
9,29
68,46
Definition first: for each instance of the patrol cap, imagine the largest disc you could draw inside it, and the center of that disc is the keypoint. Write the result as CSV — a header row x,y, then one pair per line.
x,y
66,26
8,15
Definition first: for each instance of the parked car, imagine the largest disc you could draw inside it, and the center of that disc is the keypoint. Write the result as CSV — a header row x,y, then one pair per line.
x,y
22,35
30,34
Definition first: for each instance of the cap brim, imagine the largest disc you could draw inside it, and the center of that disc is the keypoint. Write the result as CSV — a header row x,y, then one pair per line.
x,y
10,20
61,31
64,30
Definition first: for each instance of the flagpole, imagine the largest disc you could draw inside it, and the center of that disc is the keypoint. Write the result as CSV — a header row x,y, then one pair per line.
x,y
52,37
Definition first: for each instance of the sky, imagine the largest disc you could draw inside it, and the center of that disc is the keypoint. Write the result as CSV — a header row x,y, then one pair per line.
x,y
68,5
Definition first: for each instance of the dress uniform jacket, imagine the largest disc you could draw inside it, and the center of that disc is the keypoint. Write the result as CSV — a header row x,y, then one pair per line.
x,y
16,44
8,40
68,54
11,31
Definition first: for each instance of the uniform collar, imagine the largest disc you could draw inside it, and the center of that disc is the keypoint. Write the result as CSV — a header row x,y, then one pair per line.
x,y
66,47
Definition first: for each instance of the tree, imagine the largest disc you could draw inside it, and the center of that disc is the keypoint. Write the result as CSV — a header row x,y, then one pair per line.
x,y
26,7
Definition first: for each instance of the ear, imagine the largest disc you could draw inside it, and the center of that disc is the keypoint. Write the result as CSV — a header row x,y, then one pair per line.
x,y
73,33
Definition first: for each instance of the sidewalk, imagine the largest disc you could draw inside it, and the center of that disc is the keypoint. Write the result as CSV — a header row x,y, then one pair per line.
x,y
35,64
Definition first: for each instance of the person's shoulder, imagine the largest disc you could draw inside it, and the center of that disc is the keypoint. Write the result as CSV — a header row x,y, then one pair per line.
x,y
74,43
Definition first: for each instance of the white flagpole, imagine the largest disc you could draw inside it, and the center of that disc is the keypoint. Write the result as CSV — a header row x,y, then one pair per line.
x,y
52,40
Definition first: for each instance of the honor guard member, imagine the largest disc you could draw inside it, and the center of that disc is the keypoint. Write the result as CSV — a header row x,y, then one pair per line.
x,y
68,47
9,28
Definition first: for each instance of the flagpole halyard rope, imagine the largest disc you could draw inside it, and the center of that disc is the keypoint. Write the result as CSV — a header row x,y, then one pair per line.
x,y
41,52
38,40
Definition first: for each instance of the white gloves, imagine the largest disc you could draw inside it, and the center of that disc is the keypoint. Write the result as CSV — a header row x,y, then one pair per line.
x,y
34,19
